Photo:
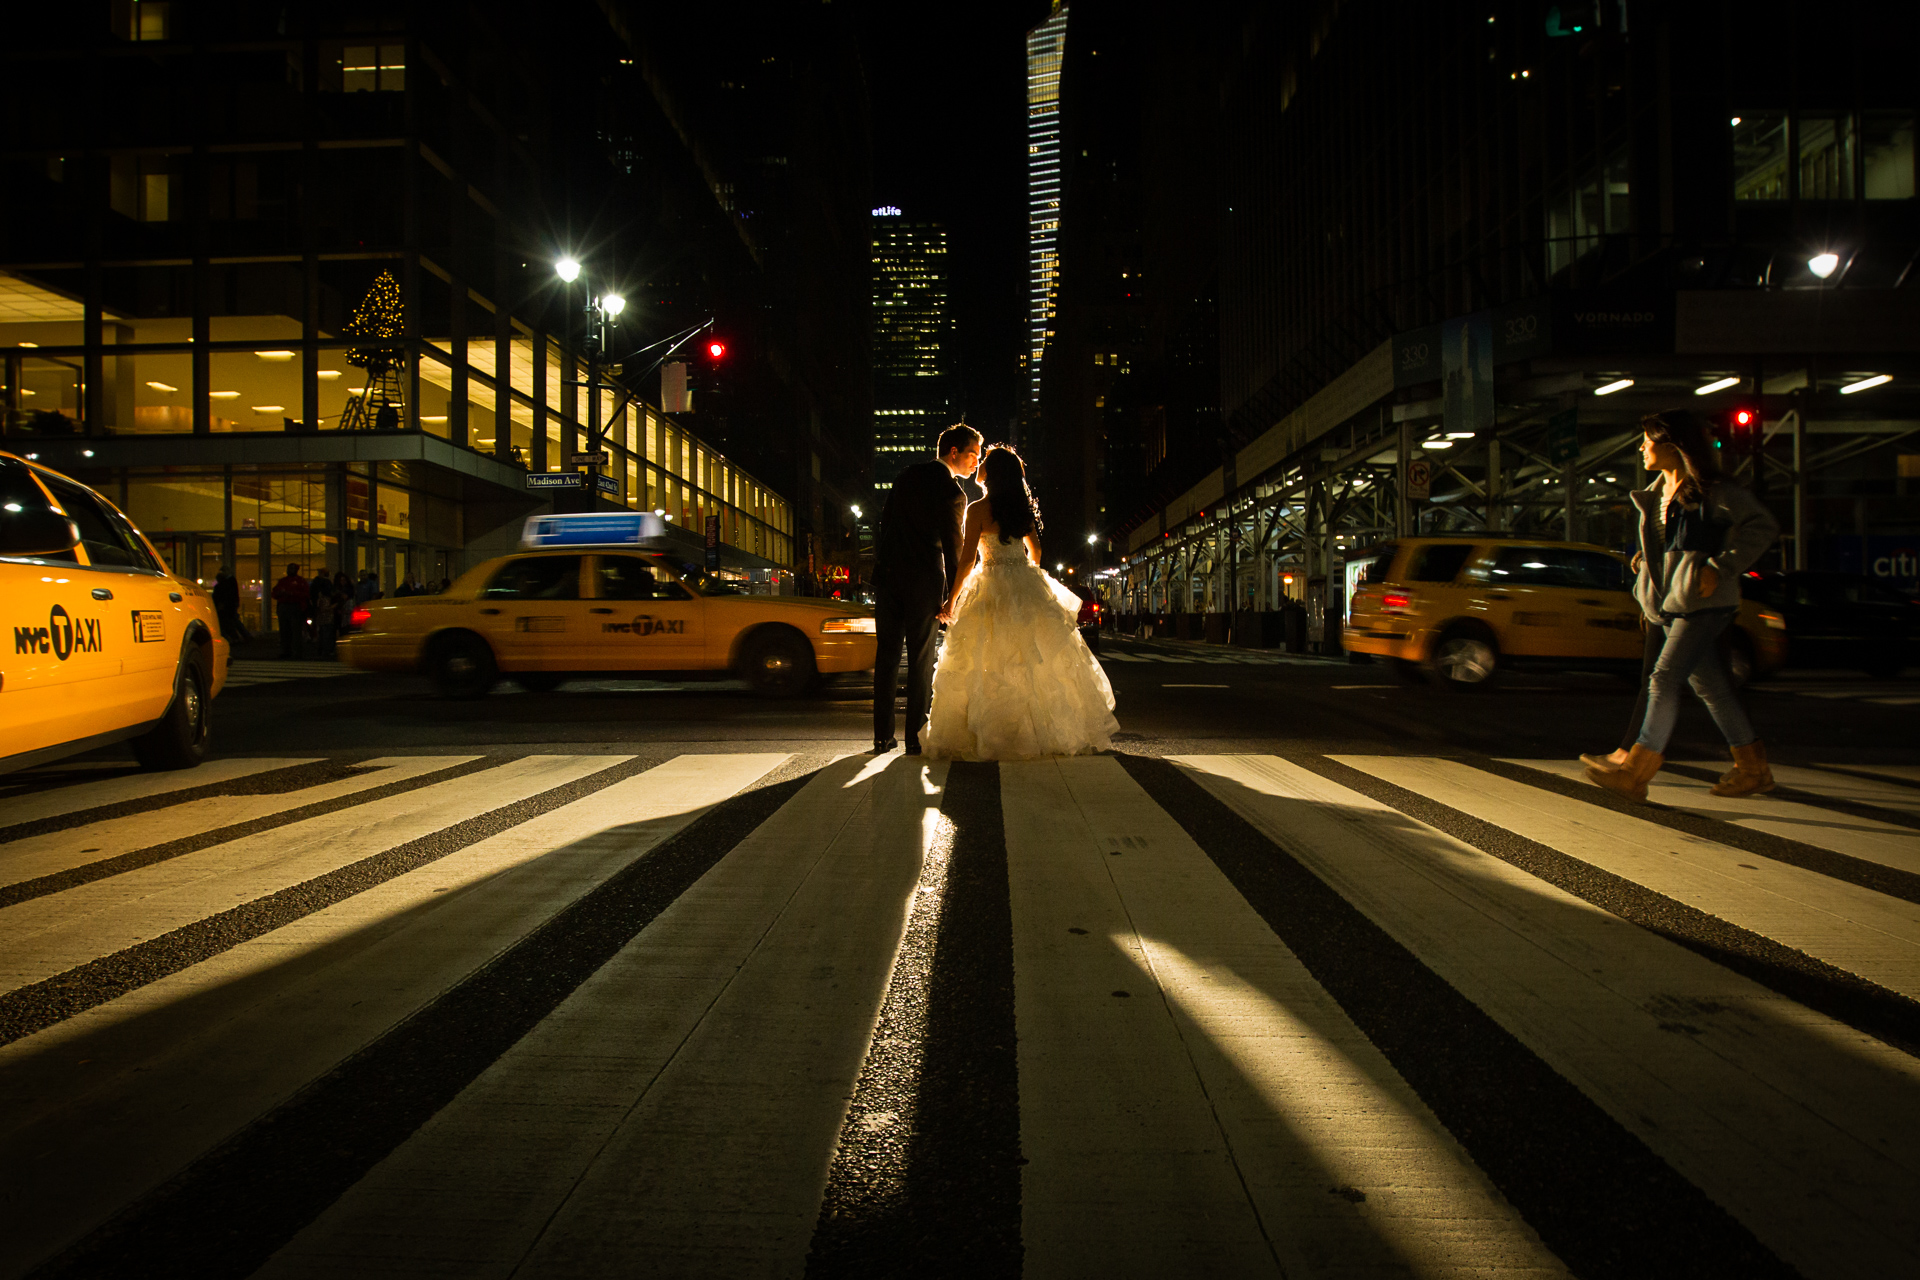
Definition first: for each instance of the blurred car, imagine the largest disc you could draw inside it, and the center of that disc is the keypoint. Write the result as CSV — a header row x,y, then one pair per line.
x,y
594,595
1456,610
1092,614
1838,620
108,645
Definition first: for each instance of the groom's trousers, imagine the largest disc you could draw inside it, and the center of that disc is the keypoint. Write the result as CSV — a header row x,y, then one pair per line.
x,y
912,624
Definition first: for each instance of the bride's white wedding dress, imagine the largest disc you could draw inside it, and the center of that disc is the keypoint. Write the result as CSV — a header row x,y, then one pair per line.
x,y
1015,680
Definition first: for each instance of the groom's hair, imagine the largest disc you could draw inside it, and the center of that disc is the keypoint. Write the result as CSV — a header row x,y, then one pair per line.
x,y
960,436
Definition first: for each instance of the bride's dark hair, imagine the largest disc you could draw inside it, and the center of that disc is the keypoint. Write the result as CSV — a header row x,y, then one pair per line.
x,y
1008,498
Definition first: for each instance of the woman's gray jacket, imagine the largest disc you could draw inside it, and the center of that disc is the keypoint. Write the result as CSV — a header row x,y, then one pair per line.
x,y
1729,530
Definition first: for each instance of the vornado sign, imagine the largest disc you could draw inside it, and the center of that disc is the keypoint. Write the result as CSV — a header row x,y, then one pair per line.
x,y
63,636
648,625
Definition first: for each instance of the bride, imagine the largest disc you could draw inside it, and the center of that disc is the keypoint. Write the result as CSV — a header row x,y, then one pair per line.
x,y
1015,681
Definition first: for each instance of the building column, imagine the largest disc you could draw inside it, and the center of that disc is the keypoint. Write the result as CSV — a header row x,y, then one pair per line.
x,y
1403,505
1496,517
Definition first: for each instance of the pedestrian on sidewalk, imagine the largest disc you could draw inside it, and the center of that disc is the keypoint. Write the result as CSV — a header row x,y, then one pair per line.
x,y
290,611
369,588
226,606
1699,531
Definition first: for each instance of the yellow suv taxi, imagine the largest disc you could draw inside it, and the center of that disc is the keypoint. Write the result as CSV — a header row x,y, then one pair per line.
x,y
1455,610
595,595
107,645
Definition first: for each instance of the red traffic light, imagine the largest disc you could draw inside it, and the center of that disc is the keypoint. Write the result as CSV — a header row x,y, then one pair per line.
x,y
1743,429
716,349
1744,417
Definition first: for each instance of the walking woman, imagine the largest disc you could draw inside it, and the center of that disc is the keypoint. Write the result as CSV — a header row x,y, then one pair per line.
x,y
1698,533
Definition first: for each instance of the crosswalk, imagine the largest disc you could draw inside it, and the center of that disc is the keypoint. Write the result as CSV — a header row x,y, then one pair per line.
x,y
830,1014
247,672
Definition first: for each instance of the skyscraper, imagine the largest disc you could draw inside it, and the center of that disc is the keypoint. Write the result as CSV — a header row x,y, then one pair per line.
x,y
911,388
1046,49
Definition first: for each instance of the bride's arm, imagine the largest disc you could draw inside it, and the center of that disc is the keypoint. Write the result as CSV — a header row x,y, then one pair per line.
x,y
969,552
1033,550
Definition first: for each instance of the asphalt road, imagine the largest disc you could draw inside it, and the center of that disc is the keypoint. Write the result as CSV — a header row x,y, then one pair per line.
x,y
1316,973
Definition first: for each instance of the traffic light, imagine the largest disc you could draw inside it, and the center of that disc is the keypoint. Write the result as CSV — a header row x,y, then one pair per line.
x,y
716,349
1743,430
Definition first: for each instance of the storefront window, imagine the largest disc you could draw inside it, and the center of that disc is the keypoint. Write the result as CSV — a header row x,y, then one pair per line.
x,y
44,391
167,504
267,501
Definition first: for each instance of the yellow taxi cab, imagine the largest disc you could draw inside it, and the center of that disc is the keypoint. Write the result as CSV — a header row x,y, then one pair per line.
x,y
1455,610
596,594
107,645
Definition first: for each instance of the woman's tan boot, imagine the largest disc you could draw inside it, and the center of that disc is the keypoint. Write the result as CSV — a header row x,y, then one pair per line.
x,y
1630,779
1607,762
1750,774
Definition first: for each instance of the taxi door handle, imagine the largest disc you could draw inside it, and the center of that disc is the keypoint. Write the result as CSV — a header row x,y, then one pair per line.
x,y
599,611
489,611
101,593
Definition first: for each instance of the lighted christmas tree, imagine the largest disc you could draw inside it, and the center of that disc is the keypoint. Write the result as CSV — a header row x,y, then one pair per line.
x,y
377,318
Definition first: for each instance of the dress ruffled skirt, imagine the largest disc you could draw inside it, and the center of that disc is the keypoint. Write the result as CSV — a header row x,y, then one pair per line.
x,y
1015,681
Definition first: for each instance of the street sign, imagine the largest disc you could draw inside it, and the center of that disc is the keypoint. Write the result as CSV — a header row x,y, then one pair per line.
x,y
553,479
588,459
1419,479
608,485
713,542
1563,437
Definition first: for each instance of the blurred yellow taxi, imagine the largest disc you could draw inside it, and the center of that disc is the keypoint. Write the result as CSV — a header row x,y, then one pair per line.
x,y
1455,610
107,645
595,595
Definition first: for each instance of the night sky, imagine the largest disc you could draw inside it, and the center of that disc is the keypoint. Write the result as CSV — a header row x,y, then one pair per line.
x,y
948,86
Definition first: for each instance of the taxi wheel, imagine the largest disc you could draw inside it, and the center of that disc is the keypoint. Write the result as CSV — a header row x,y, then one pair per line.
x,y
778,665
1463,661
463,667
180,740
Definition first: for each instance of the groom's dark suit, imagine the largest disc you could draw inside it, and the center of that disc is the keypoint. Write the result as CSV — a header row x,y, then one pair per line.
x,y
915,560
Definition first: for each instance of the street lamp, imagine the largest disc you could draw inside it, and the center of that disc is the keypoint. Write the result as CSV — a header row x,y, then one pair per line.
x,y
602,313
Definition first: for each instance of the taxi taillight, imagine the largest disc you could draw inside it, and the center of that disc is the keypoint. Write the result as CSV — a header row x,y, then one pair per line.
x,y
1395,601
359,618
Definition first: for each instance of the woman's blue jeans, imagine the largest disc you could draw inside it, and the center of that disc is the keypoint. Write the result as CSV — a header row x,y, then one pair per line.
x,y
1689,657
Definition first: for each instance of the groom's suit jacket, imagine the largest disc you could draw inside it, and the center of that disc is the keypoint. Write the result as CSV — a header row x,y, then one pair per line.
x,y
919,549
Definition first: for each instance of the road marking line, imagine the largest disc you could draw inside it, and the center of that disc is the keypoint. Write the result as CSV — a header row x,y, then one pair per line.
x,y
1162,1133
1863,838
199,1053
61,801
1851,928
687,1098
43,937
1801,1127
1196,686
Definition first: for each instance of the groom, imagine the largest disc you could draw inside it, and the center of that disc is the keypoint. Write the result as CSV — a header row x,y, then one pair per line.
x,y
917,556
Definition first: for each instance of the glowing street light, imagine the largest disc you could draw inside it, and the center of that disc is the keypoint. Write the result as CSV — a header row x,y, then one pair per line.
x,y
1718,384
1619,384
567,269
613,304
1823,264
1093,539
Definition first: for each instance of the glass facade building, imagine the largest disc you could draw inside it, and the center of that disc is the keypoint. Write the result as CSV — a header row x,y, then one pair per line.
x,y
278,292
1046,51
912,393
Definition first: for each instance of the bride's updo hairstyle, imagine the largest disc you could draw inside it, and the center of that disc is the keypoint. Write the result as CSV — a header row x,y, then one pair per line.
x,y
1008,498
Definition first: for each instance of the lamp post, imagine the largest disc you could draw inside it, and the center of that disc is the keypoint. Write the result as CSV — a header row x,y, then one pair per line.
x,y
602,312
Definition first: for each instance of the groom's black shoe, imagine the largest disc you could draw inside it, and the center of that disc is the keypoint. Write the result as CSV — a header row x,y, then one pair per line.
x,y
881,748
913,746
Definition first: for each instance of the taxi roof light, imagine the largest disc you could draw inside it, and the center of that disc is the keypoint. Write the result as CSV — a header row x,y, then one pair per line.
x,y
593,529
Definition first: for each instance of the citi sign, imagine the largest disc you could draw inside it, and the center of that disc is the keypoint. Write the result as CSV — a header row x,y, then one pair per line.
x,y
63,636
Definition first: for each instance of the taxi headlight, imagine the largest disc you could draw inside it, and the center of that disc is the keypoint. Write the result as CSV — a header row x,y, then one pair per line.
x,y
864,626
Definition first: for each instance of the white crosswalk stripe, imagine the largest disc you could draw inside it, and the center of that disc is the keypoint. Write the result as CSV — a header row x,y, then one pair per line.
x,y
247,672
1190,1096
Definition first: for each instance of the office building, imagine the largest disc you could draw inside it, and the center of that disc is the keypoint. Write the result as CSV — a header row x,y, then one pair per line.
x,y
912,385
1046,51
285,288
